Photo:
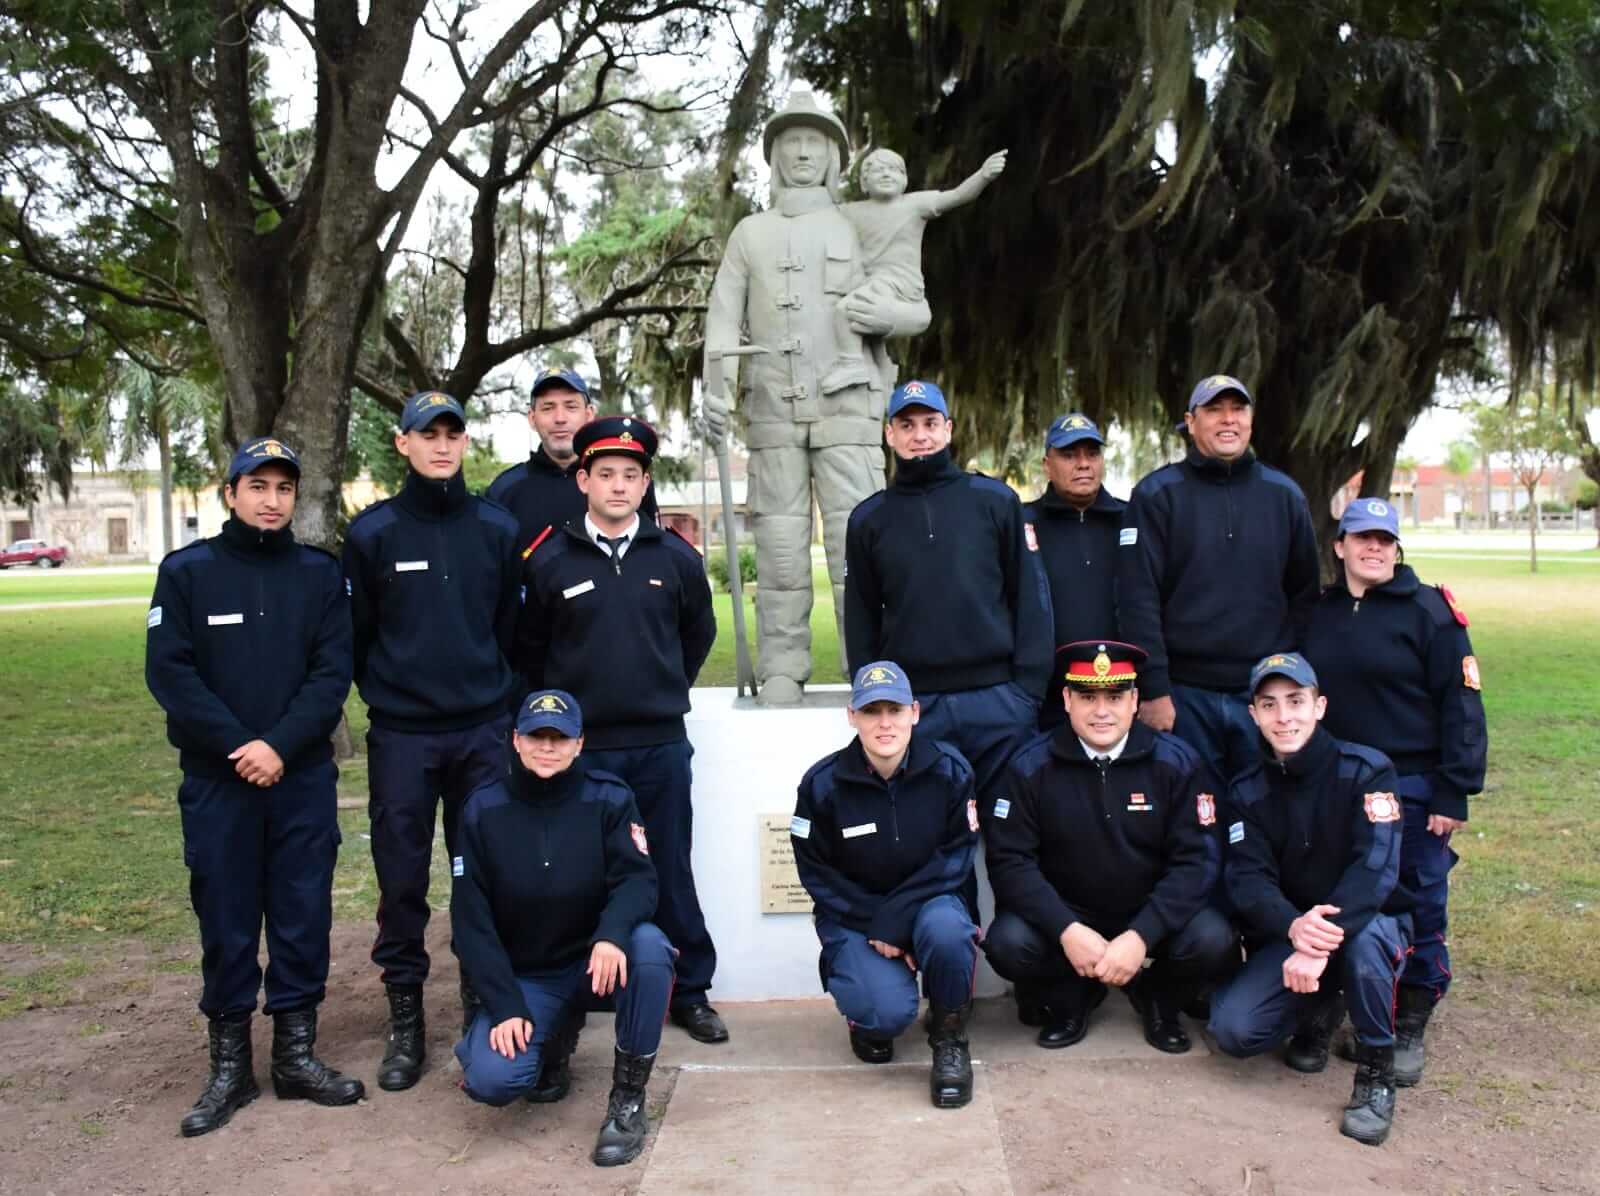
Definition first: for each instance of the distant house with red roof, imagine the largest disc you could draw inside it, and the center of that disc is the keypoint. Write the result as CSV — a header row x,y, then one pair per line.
x,y
1432,494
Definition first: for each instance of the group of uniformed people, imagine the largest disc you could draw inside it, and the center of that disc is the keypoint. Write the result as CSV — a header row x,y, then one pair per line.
x,y
1164,809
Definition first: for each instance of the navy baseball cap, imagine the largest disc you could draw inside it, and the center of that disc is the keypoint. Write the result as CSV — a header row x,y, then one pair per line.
x,y
1210,388
263,450
1370,515
1283,664
553,377
880,681
1070,429
917,394
553,708
425,406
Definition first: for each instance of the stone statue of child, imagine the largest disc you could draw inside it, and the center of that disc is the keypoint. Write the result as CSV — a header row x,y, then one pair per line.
x,y
890,224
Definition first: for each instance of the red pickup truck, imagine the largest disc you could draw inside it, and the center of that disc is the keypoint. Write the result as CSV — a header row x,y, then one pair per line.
x,y
32,552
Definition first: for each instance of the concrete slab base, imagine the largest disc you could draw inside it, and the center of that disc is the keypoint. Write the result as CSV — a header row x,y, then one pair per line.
x,y
866,1131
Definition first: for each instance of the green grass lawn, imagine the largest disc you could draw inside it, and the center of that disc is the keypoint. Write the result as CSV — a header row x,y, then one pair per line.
x,y
66,586
90,847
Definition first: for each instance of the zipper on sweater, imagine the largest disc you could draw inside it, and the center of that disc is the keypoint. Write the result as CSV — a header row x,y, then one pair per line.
x,y
1228,489
261,596
1102,767
444,559
927,515
544,836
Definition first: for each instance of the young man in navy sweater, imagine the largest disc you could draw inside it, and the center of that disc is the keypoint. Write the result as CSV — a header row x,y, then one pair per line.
x,y
618,612
434,595
884,832
1218,567
1312,868
945,549
247,649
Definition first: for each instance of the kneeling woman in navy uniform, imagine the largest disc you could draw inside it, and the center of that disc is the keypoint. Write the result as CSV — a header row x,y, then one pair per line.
x,y
885,831
551,910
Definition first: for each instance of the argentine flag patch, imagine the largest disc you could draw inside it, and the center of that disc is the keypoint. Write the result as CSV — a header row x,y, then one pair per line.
x,y
1002,807
153,619
800,827
1128,537
1236,832
457,868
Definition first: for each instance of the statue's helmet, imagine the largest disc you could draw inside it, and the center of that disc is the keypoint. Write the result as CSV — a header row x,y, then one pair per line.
x,y
801,109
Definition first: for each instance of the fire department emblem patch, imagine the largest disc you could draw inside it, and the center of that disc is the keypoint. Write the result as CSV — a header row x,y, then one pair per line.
x,y
1382,807
639,840
1206,806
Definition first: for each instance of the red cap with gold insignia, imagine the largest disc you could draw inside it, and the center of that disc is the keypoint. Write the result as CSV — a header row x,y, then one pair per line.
x,y
620,434
1100,664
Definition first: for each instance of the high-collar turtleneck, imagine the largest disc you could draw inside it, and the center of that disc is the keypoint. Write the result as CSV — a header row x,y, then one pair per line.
x,y
1308,761
1052,501
530,787
1214,469
921,473
256,541
430,498
800,201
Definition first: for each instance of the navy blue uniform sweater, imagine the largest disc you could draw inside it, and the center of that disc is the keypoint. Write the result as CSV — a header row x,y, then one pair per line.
x,y
1322,827
248,637
1132,844
547,869
542,494
939,577
1078,550
872,852
1217,568
434,593
626,638
1398,672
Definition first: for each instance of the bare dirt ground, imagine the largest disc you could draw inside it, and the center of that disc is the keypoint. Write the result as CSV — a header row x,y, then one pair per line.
x,y
91,1093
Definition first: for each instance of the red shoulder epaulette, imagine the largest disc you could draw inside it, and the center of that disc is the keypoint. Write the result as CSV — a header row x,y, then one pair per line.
x,y
1450,600
539,539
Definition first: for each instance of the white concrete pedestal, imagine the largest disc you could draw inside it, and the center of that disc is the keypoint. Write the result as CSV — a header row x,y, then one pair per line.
x,y
748,762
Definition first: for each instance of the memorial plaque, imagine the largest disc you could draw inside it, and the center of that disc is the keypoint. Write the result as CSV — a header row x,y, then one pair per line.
x,y
781,890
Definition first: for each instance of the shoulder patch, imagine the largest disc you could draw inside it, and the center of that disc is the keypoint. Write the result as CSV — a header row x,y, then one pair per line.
x,y
1205,805
1030,536
800,827
1002,807
1236,832
1381,807
1128,537
1469,673
153,619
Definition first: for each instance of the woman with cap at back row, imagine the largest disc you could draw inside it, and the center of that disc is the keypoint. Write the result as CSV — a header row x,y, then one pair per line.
x,y
1399,674
550,911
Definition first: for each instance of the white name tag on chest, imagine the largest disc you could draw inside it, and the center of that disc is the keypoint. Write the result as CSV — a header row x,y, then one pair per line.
x,y
583,587
410,566
855,832
224,620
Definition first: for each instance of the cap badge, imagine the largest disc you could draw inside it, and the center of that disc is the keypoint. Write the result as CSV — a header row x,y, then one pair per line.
x,y
1102,664
1077,421
1275,662
915,390
549,703
878,676
626,437
1377,508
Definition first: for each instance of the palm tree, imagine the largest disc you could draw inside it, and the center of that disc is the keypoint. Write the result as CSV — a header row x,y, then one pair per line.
x,y
155,408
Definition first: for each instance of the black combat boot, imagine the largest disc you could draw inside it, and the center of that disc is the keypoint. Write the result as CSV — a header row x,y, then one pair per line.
x,y
1370,1113
621,1136
233,1082
950,1080
1415,1007
470,1004
555,1070
871,1049
1308,1049
297,1073
408,1039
